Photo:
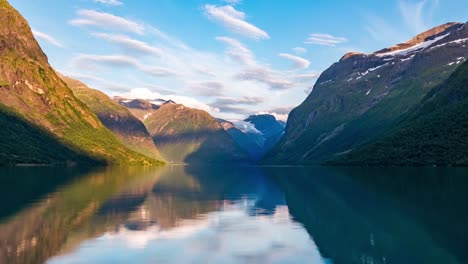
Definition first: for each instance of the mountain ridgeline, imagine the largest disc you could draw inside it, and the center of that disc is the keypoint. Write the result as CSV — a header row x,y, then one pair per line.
x,y
187,135
256,134
44,123
130,131
433,133
394,97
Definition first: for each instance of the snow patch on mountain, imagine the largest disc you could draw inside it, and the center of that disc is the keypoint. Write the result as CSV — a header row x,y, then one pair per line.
x,y
415,48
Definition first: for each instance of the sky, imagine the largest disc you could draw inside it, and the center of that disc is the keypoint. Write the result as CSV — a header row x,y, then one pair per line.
x,y
232,58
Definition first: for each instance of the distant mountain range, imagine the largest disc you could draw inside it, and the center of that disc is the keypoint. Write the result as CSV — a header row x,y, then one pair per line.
x,y
257,134
360,100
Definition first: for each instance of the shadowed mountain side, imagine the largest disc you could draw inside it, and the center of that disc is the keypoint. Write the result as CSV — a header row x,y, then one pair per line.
x,y
383,216
25,143
187,135
363,96
433,133
130,131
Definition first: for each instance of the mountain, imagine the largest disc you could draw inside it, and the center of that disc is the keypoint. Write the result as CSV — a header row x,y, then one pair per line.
x,y
362,96
46,123
256,134
140,108
128,129
249,142
188,135
433,133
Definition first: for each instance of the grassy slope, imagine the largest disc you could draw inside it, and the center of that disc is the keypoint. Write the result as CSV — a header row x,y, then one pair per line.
x,y
31,89
127,128
189,135
434,133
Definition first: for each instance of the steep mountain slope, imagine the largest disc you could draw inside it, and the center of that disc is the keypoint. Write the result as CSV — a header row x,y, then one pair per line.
x,y
271,129
256,134
188,135
130,131
363,95
32,93
249,142
434,133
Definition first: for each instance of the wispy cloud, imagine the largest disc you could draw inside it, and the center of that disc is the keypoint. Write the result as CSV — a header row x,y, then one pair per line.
x,y
89,61
207,88
106,21
266,76
298,62
47,38
109,2
299,50
145,93
325,39
237,105
307,76
238,51
131,45
416,15
234,20
232,2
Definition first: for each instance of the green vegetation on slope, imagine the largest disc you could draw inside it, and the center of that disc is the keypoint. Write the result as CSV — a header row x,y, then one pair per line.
x,y
127,128
31,89
183,134
434,133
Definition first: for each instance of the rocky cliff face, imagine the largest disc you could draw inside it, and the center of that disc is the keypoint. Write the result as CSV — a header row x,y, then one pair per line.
x,y
187,135
130,131
32,92
363,95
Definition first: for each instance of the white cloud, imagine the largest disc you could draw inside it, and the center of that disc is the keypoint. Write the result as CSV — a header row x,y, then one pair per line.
x,y
129,44
47,38
307,76
234,20
109,2
281,117
232,2
238,51
298,62
247,127
266,76
417,14
90,61
145,93
106,21
207,88
325,39
299,50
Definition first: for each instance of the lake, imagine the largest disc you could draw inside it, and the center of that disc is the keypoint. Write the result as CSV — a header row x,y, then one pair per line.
x,y
188,214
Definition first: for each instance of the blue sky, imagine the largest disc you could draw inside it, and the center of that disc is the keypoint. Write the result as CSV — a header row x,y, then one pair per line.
x,y
232,58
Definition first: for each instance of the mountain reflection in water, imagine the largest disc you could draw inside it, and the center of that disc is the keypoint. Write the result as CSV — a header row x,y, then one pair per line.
x,y
233,215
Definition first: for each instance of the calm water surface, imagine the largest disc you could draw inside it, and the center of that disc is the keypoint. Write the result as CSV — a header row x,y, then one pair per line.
x,y
233,215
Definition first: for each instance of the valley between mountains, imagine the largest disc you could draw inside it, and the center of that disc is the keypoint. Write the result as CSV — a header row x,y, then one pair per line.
x,y
406,105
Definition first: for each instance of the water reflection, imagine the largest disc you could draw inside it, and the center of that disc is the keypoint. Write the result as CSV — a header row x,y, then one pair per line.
x,y
233,215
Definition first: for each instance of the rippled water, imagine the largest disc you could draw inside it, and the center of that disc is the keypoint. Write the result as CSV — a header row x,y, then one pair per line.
x,y
233,215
